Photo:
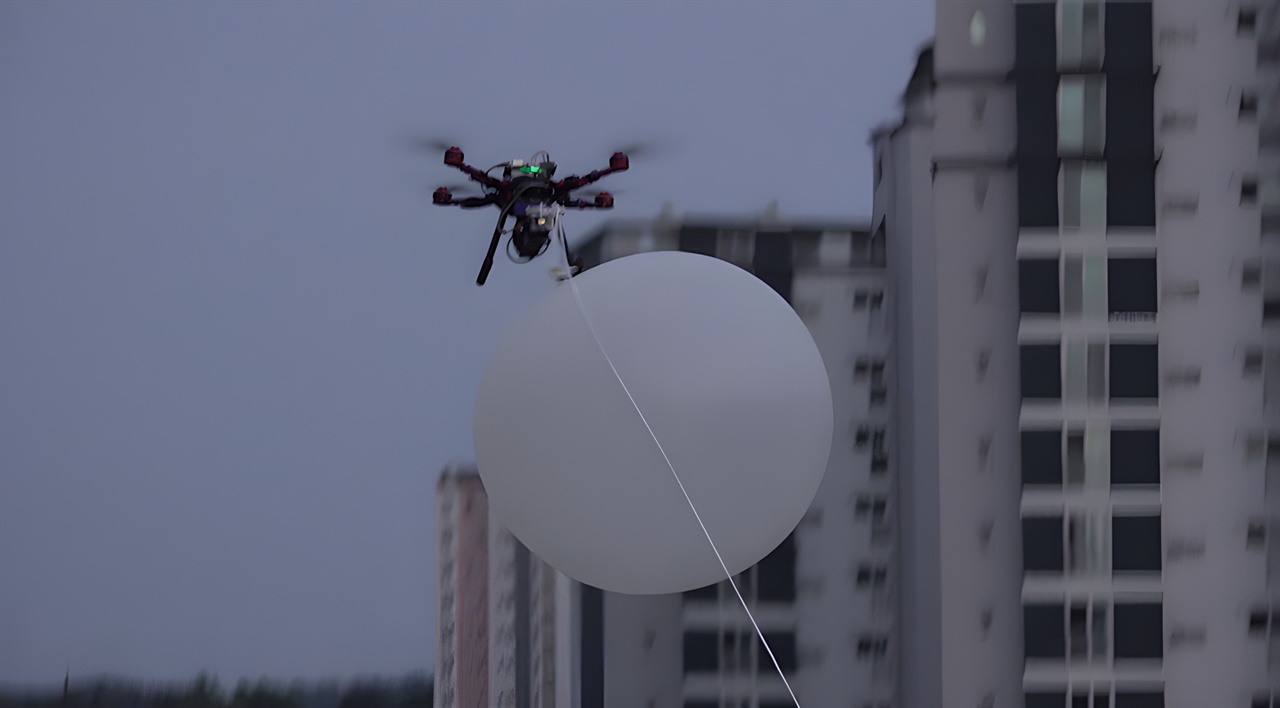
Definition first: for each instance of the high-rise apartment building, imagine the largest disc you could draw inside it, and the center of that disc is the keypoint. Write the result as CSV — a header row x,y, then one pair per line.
x,y
505,617
1080,209
823,599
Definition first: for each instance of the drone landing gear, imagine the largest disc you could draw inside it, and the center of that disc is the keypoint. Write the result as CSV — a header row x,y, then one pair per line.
x,y
493,249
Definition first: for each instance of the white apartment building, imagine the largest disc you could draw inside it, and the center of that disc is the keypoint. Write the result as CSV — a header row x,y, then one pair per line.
x,y
1080,208
823,599
505,618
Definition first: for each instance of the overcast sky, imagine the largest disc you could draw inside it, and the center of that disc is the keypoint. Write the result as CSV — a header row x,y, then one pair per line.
x,y
238,343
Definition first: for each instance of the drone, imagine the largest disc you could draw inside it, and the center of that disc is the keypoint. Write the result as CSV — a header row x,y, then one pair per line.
x,y
529,192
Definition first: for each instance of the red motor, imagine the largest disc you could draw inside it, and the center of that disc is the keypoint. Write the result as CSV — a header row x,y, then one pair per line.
x,y
604,200
618,162
441,196
453,157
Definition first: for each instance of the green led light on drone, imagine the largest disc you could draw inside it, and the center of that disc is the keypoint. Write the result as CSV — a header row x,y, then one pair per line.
x,y
531,168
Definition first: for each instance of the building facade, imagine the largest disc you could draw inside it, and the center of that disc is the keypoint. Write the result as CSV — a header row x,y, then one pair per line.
x,y
823,599
504,616
1080,209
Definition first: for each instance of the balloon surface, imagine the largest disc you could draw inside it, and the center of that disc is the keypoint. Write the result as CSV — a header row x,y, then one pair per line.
x,y
728,378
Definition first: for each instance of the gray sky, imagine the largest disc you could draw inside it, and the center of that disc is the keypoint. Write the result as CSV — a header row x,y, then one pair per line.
x,y
237,342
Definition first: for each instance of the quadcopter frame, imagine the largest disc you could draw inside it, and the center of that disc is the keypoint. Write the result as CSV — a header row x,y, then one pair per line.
x,y
505,193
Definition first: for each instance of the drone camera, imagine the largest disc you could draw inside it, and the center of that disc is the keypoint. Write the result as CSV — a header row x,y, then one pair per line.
x,y
453,157
441,196
619,162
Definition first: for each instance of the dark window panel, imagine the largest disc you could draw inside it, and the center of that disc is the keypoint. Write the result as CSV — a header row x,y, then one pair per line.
x,y
776,574
1139,699
1128,36
783,645
1130,125
709,592
780,281
1135,457
1042,543
1134,371
699,239
1139,631
1041,371
1131,192
591,685
772,261
1038,286
1037,115
1131,285
1038,191
1135,543
701,652
1040,699
773,251
1044,631
1036,38
1042,457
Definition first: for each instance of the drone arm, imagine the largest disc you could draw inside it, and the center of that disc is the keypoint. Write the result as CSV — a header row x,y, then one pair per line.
x,y
617,163
443,198
575,182
479,176
584,204
472,202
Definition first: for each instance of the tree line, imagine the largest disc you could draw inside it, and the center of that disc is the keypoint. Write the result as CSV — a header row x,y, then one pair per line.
x,y
205,691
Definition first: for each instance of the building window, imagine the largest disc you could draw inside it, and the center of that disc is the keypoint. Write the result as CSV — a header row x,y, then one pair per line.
x,y
1044,633
1135,372
1082,116
1086,371
1248,191
1046,699
1135,457
1258,622
783,645
1038,286
1080,38
1139,630
1246,20
1135,543
701,652
1040,371
707,593
1042,457
1087,632
1042,544
1083,187
872,646
1131,285
1248,104
1139,699
1086,543
776,573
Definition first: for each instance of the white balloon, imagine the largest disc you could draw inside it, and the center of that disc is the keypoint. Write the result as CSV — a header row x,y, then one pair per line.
x,y
731,384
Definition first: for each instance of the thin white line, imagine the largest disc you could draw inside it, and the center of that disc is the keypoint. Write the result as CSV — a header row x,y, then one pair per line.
x,y
581,309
